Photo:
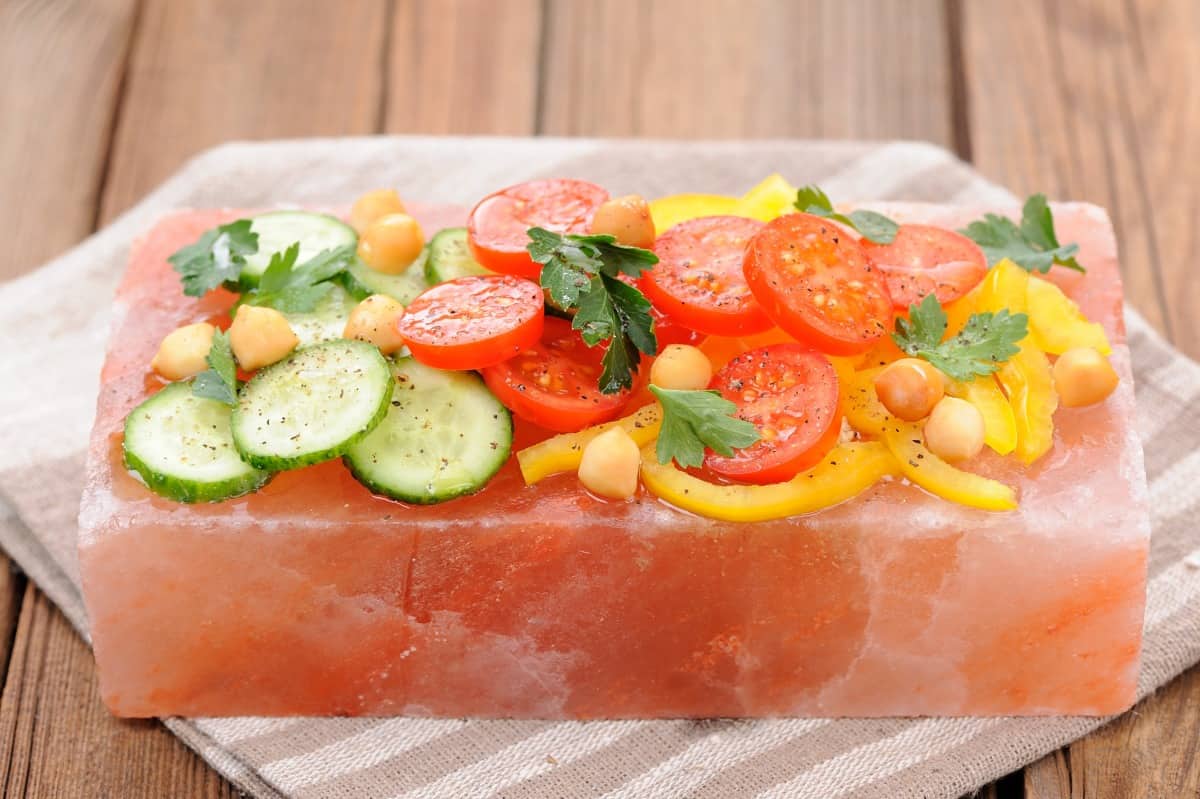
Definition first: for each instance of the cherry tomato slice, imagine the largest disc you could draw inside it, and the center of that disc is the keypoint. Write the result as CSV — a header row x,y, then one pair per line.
x,y
698,279
924,260
814,280
790,393
497,229
667,331
555,382
473,322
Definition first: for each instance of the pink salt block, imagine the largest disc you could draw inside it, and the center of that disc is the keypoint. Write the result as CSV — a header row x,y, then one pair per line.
x,y
315,597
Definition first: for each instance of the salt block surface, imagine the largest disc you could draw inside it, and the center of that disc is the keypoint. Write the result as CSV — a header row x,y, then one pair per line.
x,y
315,597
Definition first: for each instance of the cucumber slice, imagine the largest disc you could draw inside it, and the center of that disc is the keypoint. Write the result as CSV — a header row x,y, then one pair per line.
x,y
444,436
362,281
450,257
326,322
278,230
311,406
181,446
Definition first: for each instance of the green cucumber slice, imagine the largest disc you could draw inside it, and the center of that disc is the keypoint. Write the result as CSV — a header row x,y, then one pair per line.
x,y
326,322
278,230
450,257
445,435
182,448
312,406
362,281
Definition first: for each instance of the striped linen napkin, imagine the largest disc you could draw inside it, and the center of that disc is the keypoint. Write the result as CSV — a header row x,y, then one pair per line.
x,y
53,326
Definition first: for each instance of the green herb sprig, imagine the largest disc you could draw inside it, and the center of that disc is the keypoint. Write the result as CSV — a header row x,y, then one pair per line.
x,y
1032,245
872,225
219,381
216,257
985,342
289,288
580,273
696,420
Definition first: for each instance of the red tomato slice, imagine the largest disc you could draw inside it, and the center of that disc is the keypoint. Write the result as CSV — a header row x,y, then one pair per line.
x,y
790,393
814,280
555,383
473,322
924,260
666,330
698,279
497,229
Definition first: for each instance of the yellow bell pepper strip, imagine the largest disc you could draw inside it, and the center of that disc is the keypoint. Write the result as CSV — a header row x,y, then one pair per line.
x,y
999,421
771,198
1004,286
930,472
861,405
1057,324
847,471
671,210
1029,383
1026,377
562,453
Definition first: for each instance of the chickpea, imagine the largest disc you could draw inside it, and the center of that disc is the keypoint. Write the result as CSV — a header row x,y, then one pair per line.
x,y
260,336
374,320
391,243
627,219
954,430
1083,376
681,366
609,466
372,206
183,352
910,388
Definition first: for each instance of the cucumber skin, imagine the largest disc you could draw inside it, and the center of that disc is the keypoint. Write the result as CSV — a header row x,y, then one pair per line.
x,y
435,272
426,499
360,290
277,463
191,492
181,490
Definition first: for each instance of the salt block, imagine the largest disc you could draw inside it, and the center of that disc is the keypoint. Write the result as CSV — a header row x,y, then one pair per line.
x,y
314,597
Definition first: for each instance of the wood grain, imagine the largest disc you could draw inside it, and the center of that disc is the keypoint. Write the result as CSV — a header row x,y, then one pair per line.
x,y
1100,105
463,66
1107,109
714,69
203,72
60,67
61,741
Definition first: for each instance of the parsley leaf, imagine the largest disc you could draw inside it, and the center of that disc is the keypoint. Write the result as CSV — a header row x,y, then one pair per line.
x,y
289,288
581,273
1033,245
216,257
985,342
219,381
872,225
696,420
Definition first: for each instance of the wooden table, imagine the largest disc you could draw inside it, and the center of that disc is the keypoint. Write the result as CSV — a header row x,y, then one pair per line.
x,y
102,99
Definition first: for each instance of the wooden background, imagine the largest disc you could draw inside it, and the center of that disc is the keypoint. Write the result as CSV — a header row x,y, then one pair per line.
x,y
101,99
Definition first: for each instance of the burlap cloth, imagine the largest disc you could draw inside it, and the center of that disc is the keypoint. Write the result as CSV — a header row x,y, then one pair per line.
x,y
53,325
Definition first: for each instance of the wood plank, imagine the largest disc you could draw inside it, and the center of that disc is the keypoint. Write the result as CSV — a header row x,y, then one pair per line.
x,y
716,69
61,741
208,71
199,73
1107,113
58,115
477,64
1108,110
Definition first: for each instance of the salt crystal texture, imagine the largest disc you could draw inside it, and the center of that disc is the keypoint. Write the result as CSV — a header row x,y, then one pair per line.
x,y
314,597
